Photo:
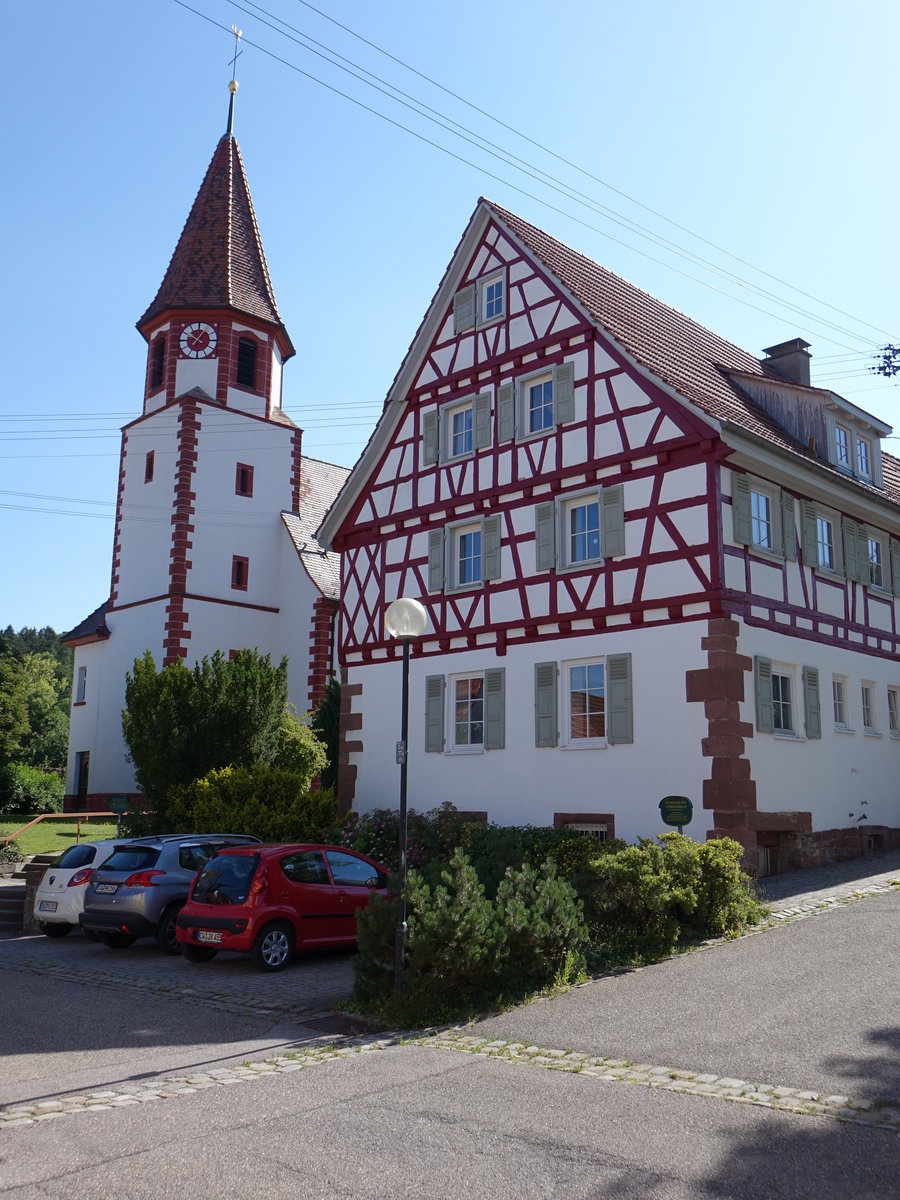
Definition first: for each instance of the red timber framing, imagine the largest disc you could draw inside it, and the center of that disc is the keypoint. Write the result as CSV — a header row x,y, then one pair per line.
x,y
634,434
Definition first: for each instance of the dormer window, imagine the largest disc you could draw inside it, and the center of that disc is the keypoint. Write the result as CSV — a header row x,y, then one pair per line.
x,y
854,442
863,457
842,446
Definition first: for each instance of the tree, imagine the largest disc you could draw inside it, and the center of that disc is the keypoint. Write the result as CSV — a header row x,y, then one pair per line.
x,y
13,704
181,723
326,724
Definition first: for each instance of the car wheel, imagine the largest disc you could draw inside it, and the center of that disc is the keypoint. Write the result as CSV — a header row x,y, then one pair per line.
x,y
56,930
166,937
198,953
274,947
118,941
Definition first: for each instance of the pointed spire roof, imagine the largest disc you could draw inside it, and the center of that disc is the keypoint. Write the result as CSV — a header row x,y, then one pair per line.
x,y
219,261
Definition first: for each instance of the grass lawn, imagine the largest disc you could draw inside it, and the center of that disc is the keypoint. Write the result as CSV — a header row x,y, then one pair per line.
x,y
48,837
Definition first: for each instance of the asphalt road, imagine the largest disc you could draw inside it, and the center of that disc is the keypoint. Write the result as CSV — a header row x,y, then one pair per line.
x,y
813,1004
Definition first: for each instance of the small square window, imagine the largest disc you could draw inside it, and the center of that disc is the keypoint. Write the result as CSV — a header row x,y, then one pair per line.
x,y
149,463
240,573
243,480
468,714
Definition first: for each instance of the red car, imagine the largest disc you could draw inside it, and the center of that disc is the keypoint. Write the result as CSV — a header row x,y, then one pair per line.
x,y
273,900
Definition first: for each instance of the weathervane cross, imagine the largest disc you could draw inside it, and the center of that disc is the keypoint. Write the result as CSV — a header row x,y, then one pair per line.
x,y
238,33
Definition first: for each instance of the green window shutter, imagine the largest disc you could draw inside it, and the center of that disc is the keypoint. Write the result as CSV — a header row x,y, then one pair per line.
x,y
430,438
545,723
895,566
810,534
490,548
506,412
464,309
789,540
495,709
811,702
545,536
564,392
434,714
853,561
620,703
762,677
482,421
612,506
435,560
740,509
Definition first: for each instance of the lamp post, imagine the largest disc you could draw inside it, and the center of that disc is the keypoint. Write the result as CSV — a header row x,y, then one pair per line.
x,y
404,619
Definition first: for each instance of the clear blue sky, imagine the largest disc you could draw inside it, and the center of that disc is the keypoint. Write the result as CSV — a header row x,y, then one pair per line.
x,y
769,129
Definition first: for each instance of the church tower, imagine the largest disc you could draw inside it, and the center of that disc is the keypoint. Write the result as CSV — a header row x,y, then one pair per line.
x,y
213,546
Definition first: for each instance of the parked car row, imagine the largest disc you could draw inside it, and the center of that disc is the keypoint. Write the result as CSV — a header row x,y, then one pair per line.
x,y
201,893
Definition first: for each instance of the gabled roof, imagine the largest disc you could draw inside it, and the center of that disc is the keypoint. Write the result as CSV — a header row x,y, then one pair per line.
x,y
689,359
320,483
92,628
219,261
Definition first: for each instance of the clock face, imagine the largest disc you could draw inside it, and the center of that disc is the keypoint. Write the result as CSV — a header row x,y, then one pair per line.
x,y
198,340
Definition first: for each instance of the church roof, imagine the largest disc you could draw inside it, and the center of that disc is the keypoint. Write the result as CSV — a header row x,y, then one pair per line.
x,y
320,483
219,261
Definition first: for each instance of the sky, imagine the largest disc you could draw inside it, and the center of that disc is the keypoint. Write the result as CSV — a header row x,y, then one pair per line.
x,y
737,161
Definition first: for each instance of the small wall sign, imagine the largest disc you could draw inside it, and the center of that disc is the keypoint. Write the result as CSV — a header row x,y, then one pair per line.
x,y
676,810
118,804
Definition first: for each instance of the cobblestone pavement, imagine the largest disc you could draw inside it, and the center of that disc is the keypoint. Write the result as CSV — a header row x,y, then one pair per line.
x,y
314,986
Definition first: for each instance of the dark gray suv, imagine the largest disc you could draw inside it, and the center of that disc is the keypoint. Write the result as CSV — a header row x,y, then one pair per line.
x,y
141,887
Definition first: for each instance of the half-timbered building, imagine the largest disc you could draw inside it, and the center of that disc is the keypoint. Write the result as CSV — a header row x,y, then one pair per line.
x,y
653,564
217,506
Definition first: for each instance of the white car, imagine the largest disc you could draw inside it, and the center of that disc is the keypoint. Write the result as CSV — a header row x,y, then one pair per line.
x,y
59,900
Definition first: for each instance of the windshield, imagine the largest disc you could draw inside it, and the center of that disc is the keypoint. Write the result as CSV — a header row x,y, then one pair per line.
x,y
132,858
225,879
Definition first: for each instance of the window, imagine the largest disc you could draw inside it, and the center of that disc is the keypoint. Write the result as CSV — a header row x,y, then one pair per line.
x,y
590,828
473,554
467,555
492,298
545,399
842,446
825,543
862,458
539,405
876,562
158,363
476,716
81,686
839,696
460,424
240,573
761,519
582,520
587,528
246,363
586,703
893,712
782,714
306,866
149,463
867,694
468,713
243,480
457,429
349,871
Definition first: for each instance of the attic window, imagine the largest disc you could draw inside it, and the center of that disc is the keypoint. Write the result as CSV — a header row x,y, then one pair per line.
x,y
246,363
854,445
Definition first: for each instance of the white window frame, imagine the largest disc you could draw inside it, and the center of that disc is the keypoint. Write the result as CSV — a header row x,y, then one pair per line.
x,y
882,564
855,430
843,442
893,698
863,452
772,497
839,683
867,693
463,747
446,440
455,535
781,671
81,686
565,508
525,384
824,521
567,738
483,286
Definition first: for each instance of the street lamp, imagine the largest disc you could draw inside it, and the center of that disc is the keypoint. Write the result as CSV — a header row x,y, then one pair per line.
x,y
404,619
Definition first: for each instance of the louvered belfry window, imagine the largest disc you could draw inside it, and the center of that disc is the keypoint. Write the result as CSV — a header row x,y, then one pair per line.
x,y
246,363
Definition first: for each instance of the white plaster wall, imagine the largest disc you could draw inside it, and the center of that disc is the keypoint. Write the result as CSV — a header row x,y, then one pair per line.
x,y
828,777
146,531
523,783
296,598
196,373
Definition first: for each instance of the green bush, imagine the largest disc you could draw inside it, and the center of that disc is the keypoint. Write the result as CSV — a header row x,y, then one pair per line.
x,y
10,853
268,802
543,922
31,790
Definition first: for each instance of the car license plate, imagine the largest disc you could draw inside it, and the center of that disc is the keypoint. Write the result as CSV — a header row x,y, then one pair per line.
x,y
47,906
208,935
106,889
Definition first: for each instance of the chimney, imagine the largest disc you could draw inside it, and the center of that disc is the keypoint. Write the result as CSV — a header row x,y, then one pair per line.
x,y
790,360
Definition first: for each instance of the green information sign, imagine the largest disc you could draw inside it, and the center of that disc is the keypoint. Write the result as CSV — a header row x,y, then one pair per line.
x,y
676,810
119,804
